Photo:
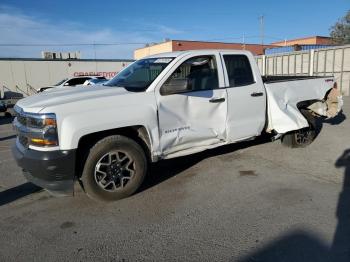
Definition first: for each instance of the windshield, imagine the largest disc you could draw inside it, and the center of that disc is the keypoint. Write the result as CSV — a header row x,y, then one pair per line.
x,y
61,82
139,76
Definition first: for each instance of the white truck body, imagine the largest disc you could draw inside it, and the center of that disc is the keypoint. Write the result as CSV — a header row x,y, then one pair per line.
x,y
177,124
180,124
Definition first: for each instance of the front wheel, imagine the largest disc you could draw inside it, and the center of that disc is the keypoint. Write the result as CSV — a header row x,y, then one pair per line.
x,y
115,168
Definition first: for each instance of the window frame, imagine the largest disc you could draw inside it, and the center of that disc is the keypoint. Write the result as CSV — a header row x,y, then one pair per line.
x,y
212,56
228,85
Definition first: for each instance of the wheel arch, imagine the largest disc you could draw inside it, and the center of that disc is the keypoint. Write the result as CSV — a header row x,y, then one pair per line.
x,y
138,133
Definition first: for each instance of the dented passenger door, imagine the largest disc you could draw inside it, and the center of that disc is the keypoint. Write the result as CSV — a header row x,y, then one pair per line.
x,y
192,106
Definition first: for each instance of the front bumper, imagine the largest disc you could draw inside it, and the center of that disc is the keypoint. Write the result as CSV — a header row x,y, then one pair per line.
x,y
51,170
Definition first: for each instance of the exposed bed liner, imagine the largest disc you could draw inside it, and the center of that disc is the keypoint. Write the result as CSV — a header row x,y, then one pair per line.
x,y
273,79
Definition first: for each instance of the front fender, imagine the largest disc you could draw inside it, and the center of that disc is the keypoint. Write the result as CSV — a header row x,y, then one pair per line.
x,y
78,124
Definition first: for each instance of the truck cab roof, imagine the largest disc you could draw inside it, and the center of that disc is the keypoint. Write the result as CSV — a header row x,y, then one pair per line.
x,y
198,51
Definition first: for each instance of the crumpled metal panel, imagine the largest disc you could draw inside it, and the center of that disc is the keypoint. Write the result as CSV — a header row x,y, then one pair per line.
x,y
189,122
282,100
331,106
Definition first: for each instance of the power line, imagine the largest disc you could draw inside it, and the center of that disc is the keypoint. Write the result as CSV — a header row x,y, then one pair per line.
x,y
262,36
77,44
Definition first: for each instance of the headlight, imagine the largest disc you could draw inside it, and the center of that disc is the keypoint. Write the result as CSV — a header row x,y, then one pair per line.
x,y
37,129
41,120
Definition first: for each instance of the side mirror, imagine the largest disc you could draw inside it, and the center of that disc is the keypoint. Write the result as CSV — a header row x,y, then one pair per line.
x,y
175,86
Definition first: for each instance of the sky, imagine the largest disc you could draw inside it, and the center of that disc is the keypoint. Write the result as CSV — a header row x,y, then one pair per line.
x,y
87,26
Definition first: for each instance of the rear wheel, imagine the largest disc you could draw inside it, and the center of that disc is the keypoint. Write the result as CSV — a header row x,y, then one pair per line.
x,y
302,137
115,168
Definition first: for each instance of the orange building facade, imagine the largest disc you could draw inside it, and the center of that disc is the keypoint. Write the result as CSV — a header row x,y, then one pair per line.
x,y
313,40
181,45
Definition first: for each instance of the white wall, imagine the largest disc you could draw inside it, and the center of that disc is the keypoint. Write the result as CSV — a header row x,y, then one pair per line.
x,y
19,74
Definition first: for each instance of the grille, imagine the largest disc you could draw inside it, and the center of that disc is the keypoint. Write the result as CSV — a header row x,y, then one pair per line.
x,y
23,140
21,119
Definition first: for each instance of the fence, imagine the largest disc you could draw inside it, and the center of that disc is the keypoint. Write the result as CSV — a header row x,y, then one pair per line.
x,y
319,62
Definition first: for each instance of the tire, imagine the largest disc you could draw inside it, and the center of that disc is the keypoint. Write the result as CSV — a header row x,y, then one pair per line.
x,y
114,169
302,137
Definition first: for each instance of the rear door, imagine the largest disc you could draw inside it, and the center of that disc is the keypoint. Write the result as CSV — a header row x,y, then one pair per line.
x,y
194,119
246,96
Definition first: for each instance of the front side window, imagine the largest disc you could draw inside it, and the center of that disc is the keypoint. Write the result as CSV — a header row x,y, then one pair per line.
x,y
195,74
238,69
140,75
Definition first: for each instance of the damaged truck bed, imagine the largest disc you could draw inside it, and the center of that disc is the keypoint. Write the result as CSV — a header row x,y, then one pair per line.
x,y
286,98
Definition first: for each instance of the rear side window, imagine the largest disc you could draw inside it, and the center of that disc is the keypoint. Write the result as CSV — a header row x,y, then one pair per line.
x,y
238,70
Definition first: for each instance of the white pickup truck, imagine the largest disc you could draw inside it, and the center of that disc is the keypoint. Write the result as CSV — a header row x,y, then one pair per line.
x,y
159,107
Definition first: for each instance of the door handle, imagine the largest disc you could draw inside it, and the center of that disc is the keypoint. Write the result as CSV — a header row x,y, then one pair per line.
x,y
217,100
255,94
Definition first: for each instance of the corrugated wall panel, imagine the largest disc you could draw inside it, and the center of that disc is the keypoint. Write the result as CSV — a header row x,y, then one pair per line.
x,y
278,66
346,62
338,57
285,65
328,61
346,83
298,64
321,56
260,64
292,64
270,61
306,63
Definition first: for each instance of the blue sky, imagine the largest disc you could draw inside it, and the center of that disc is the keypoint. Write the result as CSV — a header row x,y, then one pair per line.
x,y
139,22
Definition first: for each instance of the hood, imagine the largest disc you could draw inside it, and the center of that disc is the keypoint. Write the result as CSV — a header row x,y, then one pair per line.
x,y
59,96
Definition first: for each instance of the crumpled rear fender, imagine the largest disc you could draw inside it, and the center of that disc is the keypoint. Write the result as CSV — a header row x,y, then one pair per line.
x,y
320,95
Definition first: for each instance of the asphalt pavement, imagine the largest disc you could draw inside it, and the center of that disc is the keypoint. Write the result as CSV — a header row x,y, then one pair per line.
x,y
251,201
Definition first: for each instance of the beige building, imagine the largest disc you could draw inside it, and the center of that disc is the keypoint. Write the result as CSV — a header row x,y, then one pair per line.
x,y
312,40
256,49
181,45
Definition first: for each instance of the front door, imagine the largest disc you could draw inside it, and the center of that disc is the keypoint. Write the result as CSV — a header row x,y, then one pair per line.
x,y
192,107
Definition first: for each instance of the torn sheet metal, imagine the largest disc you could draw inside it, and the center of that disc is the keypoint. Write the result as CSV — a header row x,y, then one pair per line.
x,y
283,97
331,106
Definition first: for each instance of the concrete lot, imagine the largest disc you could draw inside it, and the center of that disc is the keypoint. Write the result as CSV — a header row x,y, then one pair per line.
x,y
253,201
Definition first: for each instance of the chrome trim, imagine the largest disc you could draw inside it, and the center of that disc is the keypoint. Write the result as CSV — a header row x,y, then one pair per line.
x,y
27,131
19,111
